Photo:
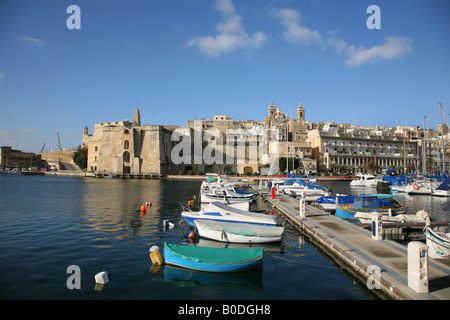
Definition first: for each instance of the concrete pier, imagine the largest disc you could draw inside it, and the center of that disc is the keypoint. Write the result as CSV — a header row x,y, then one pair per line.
x,y
353,247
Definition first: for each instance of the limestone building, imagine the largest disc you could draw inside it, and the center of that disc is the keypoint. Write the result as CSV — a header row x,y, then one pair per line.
x,y
125,147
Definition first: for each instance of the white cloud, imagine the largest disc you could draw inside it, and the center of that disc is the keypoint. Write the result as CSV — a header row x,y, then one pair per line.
x,y
393,47
337,43
34,41
2,76
295,33
231,34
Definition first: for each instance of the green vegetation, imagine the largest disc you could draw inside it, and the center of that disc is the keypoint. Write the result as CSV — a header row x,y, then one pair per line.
x,y
80,157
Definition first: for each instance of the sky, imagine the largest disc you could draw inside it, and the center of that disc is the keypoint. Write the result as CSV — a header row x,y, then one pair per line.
x,y
178,60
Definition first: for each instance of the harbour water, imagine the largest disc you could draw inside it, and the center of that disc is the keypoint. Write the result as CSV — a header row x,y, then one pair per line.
x,y
48,223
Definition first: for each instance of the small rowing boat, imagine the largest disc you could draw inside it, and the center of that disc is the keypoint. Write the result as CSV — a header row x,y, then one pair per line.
x,y
238,232
212,259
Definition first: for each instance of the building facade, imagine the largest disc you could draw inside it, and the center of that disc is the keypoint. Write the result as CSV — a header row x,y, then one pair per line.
x,y
125,147
11,158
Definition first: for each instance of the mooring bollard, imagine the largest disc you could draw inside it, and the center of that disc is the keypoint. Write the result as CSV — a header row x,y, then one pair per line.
x,y
377,226
418,266
302,206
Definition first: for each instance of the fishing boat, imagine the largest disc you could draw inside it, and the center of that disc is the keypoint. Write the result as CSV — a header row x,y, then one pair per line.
x,y
438,243
212,259
238,232
365,180
443,190
369,203
218,211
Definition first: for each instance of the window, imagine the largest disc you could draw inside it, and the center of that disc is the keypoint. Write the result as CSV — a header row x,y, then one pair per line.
x,y
126,156
126,145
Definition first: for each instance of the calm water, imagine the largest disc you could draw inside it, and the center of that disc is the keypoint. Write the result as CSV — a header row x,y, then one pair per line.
x,y
48,223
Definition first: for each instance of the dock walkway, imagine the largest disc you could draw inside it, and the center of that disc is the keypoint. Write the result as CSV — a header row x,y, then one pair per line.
x,y
355,247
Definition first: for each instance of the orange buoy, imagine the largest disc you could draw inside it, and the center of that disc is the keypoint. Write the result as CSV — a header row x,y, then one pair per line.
x,y
192,235
190,202
143,209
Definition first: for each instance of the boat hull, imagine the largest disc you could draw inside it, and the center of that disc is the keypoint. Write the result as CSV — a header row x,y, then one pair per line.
x,y
348,211
438,243
220,212
212,259
238,233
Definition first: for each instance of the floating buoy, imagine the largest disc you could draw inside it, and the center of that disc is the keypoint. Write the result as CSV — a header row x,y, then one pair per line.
x,y
155,256
143,209
168,224
102,277
192,235
148,204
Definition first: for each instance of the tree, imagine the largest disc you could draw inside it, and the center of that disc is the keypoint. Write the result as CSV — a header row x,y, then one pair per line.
x,y
80,157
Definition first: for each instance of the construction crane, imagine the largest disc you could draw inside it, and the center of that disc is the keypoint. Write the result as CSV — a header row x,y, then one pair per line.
x,y
59,143
42,150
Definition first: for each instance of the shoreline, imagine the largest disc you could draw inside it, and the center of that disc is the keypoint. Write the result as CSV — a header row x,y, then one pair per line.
x,y
187,177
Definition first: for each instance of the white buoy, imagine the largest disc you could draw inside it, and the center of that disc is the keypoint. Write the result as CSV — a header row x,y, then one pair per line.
x,y
168,224
102,277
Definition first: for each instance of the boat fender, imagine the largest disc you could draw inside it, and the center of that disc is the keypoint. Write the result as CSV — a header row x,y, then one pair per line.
x,y
155,256
416,186
102,277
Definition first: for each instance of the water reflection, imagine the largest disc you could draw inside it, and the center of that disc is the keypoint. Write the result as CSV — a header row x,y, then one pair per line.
x,y
250,280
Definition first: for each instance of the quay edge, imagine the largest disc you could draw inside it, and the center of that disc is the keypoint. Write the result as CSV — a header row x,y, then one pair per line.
x,y
355,250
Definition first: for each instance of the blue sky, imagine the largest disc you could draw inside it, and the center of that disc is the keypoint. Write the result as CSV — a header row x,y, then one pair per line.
x,y
184,59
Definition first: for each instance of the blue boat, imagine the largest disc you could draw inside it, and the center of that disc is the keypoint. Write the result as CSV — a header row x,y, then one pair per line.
x,y
368,203
212,259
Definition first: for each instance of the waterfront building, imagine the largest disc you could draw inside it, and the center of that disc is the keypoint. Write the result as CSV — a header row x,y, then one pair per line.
x,y
11,158
125,147
363,149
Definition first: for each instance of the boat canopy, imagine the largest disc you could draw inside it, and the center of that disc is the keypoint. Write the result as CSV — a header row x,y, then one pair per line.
x,y
445,185
306,184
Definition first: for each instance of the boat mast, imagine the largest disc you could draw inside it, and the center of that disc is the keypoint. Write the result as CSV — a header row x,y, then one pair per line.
x,y
424,150
443,142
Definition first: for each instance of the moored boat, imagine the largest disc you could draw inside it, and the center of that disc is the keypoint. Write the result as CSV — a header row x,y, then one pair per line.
x,y
223,190
365,180
369,203
221,212
238,232
438,243
212,259
443,190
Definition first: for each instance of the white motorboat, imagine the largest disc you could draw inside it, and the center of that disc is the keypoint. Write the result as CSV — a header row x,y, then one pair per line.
x,y
299,188
420,187
238,232
224,191
365,180
218,211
